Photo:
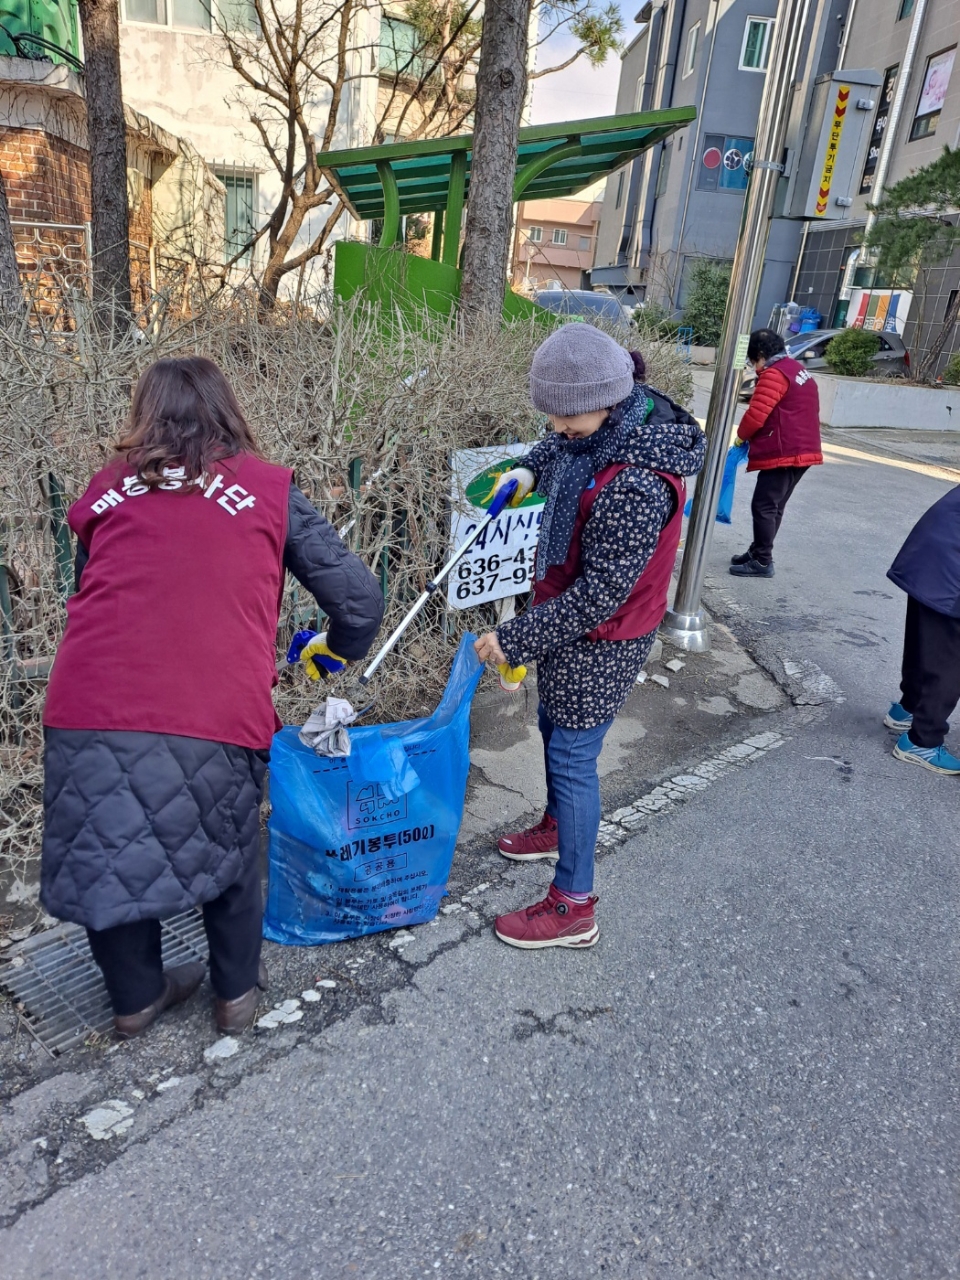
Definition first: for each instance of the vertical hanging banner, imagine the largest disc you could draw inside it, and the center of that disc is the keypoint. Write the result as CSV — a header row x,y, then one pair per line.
x,y
833,146
500,562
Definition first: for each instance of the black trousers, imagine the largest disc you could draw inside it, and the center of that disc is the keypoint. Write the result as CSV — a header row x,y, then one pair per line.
x,y
930,684
770,497
129,954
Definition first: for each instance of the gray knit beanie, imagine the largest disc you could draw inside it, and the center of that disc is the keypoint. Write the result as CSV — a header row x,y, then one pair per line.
x,y
579,370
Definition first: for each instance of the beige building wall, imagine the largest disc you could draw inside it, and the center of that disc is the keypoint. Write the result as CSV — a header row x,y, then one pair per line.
x,y
182,80
555,240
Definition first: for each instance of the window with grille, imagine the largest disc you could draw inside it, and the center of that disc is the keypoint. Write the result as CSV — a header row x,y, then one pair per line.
x,y
559,235
755,50
239,221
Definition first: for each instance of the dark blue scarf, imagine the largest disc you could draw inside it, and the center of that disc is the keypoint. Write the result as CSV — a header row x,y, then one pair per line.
x,y
573,466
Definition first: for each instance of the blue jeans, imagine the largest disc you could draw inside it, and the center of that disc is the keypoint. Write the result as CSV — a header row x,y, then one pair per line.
x,y
573,798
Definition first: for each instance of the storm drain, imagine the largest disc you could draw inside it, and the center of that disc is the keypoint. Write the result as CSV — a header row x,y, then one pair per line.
x,y
54,977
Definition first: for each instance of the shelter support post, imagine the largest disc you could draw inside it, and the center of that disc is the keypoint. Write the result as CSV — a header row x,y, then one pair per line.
x,y
391,205
455,202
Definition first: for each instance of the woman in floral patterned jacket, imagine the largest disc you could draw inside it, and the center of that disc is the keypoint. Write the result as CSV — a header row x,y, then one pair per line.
x,y
613,474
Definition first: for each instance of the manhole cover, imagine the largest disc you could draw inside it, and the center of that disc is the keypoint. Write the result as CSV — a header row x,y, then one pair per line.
x,y
54,976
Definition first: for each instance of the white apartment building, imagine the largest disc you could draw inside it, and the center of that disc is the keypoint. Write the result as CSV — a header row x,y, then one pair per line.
x,y
175,70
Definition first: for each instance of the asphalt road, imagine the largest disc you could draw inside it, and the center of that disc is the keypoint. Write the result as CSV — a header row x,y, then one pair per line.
x,y
753,1074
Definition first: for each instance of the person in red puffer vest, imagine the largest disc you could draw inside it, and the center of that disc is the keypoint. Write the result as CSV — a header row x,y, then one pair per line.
x,y
782,427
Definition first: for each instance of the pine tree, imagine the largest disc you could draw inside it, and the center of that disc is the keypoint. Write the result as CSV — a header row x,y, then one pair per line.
x,y
916,230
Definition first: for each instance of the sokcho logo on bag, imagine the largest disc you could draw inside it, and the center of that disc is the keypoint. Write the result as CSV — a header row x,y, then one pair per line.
x,y
368,806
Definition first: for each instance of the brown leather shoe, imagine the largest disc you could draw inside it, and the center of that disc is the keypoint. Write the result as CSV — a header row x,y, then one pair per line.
x,y
234,1016
179,984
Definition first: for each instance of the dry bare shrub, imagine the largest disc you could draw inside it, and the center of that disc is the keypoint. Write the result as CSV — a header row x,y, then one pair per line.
x,y
356,396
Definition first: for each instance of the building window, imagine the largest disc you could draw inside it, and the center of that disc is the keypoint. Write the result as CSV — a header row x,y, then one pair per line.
x,y
194,15
755,51
690,57
619,189
725,163
559,235
239,221
936,81
401,49
535,234
905,10
238,15
583,243
663,173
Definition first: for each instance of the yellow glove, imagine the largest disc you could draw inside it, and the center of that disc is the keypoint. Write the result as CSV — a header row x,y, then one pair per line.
x,y
525,481
319,661
510,678
738,443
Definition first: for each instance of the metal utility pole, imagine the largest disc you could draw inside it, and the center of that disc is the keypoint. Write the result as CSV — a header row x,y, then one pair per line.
x,y
684,625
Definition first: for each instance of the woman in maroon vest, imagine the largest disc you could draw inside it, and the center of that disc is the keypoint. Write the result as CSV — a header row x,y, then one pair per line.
x,y
613,477
159,714
783,428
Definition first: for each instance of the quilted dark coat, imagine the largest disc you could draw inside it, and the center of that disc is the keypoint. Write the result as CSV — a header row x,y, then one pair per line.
x,y
141,826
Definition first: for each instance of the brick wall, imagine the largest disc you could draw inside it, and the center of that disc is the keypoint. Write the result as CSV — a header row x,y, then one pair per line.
x,y
46,178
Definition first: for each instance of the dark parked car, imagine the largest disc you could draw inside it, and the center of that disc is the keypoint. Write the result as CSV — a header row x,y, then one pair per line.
x,y
892,360
582,302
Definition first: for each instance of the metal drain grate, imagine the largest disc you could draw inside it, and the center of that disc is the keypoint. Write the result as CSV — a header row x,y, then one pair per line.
x,y
56,979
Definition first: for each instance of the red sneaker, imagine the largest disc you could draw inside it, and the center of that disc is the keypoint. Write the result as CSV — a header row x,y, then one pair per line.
x,y
554,922
533,844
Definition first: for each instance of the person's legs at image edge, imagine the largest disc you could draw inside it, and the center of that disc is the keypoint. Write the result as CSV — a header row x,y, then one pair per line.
x,y
539,841
900,716
566,916
933,683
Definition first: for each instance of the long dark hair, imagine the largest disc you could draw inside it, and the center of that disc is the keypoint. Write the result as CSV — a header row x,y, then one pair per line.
x,y
184,414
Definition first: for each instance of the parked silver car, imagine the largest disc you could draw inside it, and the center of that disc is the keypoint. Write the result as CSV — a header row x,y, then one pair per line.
x,y
583,303
892,359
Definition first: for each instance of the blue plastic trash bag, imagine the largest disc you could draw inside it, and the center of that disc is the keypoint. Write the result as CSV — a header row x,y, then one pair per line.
x,y
364,843
736,457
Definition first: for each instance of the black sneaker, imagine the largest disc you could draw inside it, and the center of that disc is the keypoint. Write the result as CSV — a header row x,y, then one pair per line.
x,y
752,569
742,558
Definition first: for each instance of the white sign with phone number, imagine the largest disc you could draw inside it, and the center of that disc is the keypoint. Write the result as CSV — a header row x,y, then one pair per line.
x,y
500,562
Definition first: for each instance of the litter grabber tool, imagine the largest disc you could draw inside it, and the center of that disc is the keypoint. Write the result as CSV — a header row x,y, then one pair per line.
x,y
509,677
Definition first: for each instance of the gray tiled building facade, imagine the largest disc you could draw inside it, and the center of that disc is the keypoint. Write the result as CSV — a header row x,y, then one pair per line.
x,y
879,35
683,200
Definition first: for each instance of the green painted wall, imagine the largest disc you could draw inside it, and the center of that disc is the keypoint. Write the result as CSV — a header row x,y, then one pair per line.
x,y
52,20
402,281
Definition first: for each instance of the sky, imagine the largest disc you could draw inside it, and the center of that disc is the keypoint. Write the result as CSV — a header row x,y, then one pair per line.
x,y
581,91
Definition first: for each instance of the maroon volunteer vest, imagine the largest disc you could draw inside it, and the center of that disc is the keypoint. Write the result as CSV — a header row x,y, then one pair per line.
x,y
174,627
643,610
792,432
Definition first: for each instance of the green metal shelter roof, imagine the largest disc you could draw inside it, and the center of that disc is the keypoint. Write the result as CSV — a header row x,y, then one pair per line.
x,y
553,160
